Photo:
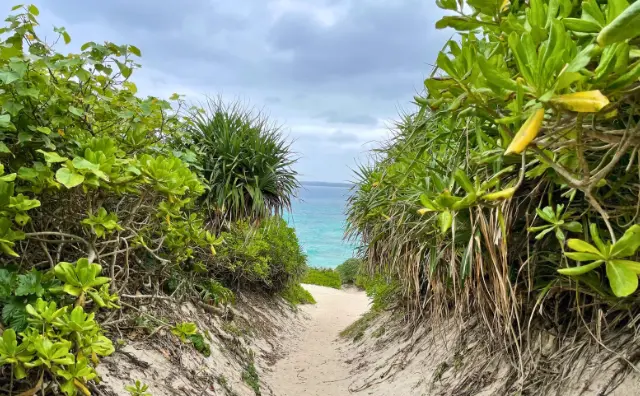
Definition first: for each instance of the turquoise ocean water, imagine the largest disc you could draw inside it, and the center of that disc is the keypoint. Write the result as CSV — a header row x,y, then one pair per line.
x,y
319,220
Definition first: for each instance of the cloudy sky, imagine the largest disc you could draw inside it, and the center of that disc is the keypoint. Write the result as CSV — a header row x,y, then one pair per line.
x,y
334,73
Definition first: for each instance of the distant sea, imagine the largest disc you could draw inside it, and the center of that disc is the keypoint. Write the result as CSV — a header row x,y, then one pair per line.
x,y
318,216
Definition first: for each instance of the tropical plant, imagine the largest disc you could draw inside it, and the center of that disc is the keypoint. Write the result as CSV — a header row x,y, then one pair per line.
x,y
244,160
526,133
621,272
138,389
184,330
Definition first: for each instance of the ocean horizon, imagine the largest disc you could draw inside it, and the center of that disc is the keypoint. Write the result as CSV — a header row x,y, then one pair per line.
x,y
318,216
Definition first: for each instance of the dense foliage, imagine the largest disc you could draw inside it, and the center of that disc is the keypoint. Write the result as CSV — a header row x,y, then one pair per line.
x,y
520,167
323,277
98,204
267,256
349,270
244,160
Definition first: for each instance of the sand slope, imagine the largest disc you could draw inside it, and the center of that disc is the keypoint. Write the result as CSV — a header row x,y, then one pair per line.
x,y
315,365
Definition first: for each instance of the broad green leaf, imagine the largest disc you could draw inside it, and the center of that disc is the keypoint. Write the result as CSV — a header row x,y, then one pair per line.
x,y
30,283
44,130
547,214
581,25
625,26
7,77
628,264
628,244
458,23
4,149
447,4
583,269
12,107
445,64
82,163
69,178
494,77
135,50
573,226
124,69
24,136
52,157
76,111
583,247
577,256
34,10
623,281
5,121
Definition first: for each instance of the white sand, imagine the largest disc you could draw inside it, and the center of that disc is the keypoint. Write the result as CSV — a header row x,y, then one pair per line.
x,y
315,365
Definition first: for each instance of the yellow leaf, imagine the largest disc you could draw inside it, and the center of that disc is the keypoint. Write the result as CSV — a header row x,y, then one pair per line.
x,y
499,195
30,37
505,5
213,250
61,132
80,386
582,102
528,131
423,211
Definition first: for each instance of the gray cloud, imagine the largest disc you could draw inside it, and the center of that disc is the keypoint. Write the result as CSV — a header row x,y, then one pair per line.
x,y
337,117
323,66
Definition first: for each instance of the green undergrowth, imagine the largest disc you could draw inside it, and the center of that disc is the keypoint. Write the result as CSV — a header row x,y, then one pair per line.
x,y
323,277
349,271
251,378
383,291
108,197
296,295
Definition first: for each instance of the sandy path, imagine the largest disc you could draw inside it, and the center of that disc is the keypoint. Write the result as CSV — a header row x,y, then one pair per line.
x,y
315,364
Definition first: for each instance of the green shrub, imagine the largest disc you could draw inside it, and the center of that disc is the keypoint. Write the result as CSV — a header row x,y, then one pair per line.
x,y
91,189
349,270
244,160
382,290
296,294
502,196
268,256
322,277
